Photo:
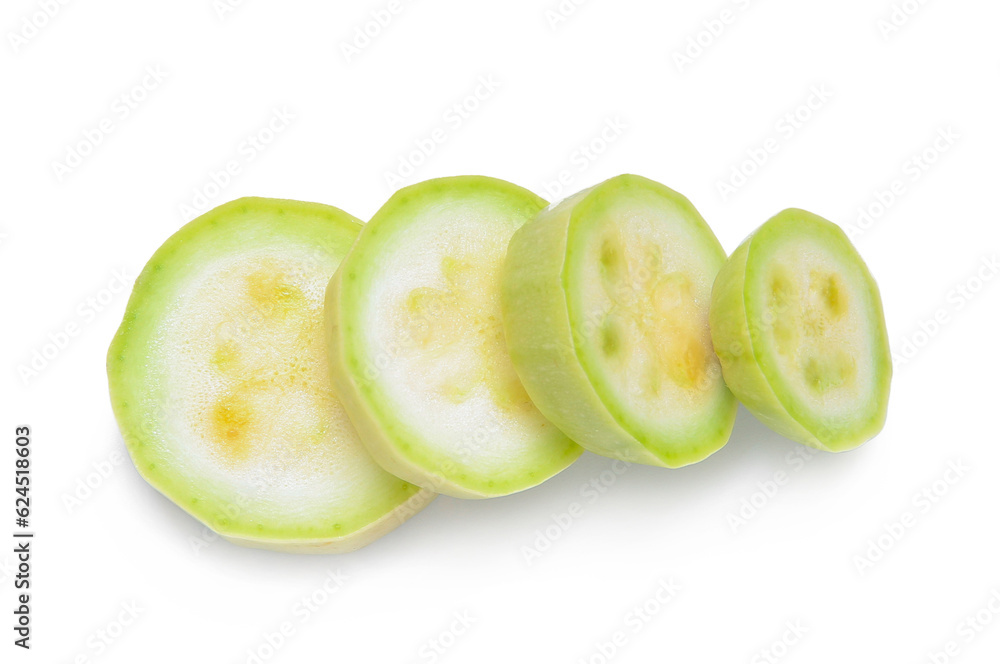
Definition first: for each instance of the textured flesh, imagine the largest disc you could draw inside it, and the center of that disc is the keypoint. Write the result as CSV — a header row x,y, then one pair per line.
x,y
817,328
639,275
614,347
419,335
219,379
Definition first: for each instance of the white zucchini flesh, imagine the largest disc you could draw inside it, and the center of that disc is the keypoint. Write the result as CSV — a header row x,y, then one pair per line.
x,y
615,348
417,348
220,385
797,322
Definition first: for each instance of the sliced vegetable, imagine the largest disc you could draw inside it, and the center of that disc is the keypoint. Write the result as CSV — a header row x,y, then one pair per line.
x,y
798,325
605,301
219,383
417,349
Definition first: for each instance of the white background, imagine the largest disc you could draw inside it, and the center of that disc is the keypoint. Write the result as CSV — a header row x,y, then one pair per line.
x,y
801,559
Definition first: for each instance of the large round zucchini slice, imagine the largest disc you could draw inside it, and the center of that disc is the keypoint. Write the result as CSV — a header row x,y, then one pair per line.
x,y
798,325
221,389
417,349
605,301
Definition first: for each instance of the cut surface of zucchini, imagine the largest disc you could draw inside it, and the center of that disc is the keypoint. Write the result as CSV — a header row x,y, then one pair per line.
x,y
219,382
605,301
416,342
798,325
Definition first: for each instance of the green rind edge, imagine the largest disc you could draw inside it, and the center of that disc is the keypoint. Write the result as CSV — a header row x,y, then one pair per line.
x,y
549,364
737,349
396,447
142,307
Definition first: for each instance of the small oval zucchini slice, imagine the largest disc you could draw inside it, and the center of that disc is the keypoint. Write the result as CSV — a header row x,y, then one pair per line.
x,y
797,323
605,301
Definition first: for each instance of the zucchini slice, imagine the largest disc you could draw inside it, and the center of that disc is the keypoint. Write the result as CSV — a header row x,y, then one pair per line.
x,y
605,301
416,342
797,323
220,385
